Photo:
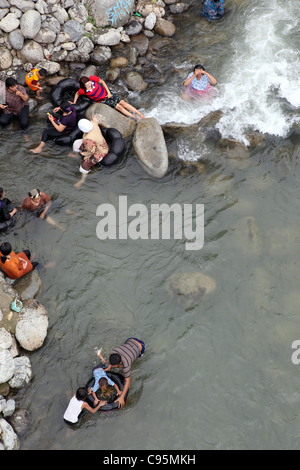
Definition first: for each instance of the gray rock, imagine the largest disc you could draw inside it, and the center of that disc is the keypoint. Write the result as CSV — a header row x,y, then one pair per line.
x,y
4,4
51,23
28,286
9,408
100,55
45,36
23,5
78,13
8,436
108,38
3,13
30,24
135,81
77,56
85,45
74,29
7,366
110,12
5,339
22,374
42,7
109,117
150,147
31,52
133,28
32,325
9,23
61,15
150,21
16,39
19,421
164,28
5,58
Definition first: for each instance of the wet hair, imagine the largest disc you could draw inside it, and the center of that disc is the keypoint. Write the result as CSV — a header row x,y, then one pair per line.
x,y
103,382
43,72
5,250
114,359
199,67
65,106
83,81
1,192
10,81
81,393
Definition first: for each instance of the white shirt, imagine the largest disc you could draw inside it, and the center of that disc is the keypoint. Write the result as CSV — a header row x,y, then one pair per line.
x,y
73,410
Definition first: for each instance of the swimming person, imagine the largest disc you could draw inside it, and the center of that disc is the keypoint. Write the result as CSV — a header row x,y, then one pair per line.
x,y
15,105
78,404
32,80
122,357
213,9
15,265
198,83
62,125
36,200
97,90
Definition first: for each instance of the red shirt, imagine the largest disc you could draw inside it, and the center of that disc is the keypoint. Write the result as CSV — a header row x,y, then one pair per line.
x,y
14,267
98,92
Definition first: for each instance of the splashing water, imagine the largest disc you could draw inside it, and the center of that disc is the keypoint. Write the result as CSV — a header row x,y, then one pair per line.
x,y
258,87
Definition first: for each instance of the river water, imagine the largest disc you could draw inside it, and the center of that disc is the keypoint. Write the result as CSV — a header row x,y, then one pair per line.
x,y
216,374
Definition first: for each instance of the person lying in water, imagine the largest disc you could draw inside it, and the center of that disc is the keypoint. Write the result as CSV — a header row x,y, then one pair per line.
x,y
98,91
198,83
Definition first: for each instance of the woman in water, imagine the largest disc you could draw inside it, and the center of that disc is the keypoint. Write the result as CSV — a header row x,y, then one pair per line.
x,y
16,104
15,265
198,83
60,126
97,90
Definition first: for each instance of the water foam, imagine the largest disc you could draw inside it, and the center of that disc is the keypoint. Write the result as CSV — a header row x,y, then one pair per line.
x,y
258,88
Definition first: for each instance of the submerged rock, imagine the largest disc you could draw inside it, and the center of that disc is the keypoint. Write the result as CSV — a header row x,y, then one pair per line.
x,y
189,288
150,147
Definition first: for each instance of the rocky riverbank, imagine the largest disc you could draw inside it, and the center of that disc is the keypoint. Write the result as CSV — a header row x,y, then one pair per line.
x,y
20,331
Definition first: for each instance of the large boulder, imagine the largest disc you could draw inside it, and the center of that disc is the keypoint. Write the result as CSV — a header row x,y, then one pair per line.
x,y
32,52
111,12
109,117
8,436
30,23
32,325
150,147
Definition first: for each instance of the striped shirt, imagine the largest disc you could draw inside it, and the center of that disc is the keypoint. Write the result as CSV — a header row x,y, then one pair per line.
x,y
129,352
97,93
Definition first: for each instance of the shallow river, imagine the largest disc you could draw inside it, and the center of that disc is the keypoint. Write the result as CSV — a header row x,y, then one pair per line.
x,y
217,374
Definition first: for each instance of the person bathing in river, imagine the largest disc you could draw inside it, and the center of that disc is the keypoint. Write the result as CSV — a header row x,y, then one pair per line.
x,y
36,200
63,125
97,90
16,105
78,404
15,265
122,357
93,147
198,83
7,211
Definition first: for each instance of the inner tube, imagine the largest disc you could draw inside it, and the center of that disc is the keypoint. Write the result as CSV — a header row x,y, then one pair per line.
x,y
68,139
118,379
65,90
116,146
8,223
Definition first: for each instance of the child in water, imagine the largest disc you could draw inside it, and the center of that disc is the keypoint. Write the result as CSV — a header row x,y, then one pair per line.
x,y
198,83
101,379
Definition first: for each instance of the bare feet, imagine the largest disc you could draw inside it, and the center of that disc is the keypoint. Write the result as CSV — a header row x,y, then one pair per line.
x,y
36,150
